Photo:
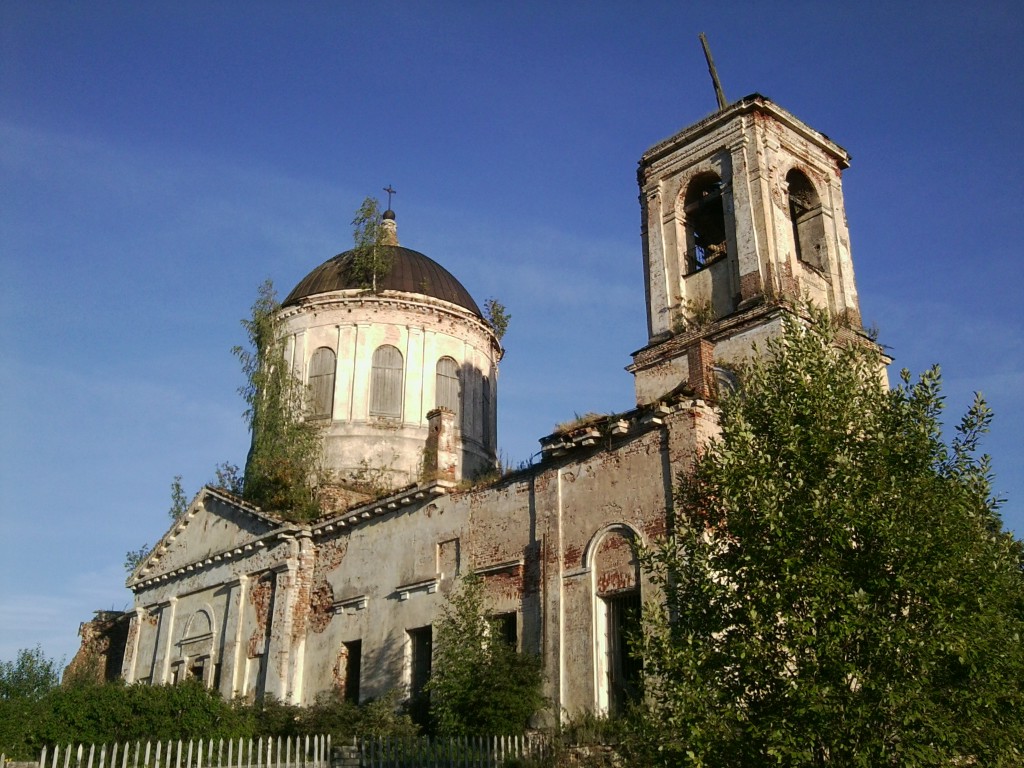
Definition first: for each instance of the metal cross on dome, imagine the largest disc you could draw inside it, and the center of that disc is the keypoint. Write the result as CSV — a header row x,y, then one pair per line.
x,y
390,192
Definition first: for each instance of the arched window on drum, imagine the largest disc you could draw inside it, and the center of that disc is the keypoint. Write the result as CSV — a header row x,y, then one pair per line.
x,y
322,368
387,383
448,387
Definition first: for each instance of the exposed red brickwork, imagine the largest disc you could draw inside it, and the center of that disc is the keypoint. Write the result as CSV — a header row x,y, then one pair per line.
x,y
302,584
615,564
321,606
102,651
615,581
507,585
655,527
261,597
573,557
784,281
335,498
700,361
750,286
329,555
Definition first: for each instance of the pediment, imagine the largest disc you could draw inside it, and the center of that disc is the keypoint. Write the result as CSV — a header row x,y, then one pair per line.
x,y
214,523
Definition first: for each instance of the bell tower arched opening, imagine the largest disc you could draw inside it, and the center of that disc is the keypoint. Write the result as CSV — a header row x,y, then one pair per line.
x,y
705,222
805,214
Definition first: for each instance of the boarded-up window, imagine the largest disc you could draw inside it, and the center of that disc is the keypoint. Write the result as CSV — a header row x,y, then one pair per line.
x,y
448,394
487,413
321,383
387,383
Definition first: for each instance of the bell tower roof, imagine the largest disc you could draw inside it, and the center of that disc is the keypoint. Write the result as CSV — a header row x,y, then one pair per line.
x,y
754,103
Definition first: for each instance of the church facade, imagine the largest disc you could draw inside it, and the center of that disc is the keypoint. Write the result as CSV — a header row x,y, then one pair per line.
x,y
742,218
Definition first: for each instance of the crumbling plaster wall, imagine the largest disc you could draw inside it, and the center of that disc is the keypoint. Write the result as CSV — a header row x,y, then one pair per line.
x,y
101,654
550,542
249,599
534,540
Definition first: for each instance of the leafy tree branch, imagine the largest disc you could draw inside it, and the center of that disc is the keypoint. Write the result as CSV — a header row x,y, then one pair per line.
x,y
836,586
497,317
371,260
284,458
480,684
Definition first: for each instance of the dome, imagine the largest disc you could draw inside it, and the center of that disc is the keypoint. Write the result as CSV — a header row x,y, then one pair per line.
x,y
411,272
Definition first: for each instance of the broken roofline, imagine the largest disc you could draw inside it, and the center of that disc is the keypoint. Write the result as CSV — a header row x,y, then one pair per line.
x,y
755,102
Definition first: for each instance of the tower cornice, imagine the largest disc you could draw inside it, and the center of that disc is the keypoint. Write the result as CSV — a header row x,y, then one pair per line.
x,y
757,104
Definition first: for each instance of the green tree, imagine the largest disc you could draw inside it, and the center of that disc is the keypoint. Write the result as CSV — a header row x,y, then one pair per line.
x,y
30,676
497,317
228,477
479,684
179,501
133,557
837,587
283,463
25,684
370,258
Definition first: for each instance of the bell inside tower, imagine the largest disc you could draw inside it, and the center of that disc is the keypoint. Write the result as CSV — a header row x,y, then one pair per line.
x,y
705,222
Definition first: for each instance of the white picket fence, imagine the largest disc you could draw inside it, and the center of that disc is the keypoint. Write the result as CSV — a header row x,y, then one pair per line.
x,y
468,752
298,752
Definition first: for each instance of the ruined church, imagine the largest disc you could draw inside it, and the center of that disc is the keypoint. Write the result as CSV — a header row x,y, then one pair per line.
x,y
742,218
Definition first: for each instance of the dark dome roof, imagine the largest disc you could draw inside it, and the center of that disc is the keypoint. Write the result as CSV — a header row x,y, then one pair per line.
x,y
410,271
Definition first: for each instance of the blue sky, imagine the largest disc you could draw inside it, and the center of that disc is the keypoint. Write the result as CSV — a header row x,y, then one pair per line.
x,y
159,160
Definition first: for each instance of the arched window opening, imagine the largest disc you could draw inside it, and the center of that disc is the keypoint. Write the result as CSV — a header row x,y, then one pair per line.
x,y
322,367
625,668
387,383
195,649
449,392
805,215
705,221
616,580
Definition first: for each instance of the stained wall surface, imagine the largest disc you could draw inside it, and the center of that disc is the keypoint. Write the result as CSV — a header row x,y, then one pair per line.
x,y
278,610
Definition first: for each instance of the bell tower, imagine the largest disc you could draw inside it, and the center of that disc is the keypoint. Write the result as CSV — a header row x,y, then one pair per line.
x,y
742,218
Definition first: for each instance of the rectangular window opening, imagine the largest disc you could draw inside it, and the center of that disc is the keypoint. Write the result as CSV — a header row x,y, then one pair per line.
x,y
506,626
421,651
624,666
353,669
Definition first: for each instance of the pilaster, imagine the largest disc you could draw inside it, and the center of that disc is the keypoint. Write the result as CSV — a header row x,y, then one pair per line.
x,y
164,640
131,650
232,656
